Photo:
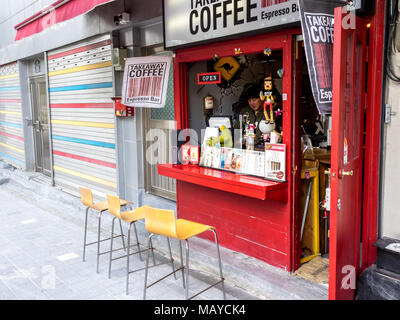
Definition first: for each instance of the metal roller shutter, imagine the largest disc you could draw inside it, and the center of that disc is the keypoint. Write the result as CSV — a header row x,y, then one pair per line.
x,y
82,116
11,131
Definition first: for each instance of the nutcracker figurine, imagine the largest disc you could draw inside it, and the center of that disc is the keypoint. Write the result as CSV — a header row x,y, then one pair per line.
x,y
267,126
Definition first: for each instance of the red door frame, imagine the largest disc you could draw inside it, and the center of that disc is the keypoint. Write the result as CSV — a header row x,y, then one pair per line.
x,y
373,134
282,40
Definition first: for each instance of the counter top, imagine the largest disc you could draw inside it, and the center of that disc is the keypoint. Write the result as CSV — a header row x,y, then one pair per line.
x,y
227,181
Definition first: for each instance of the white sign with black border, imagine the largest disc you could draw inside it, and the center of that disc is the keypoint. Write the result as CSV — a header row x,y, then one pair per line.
x,y
194,21
145,81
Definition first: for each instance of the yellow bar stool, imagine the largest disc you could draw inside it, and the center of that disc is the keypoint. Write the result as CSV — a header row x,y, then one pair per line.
x,y
130,217
163,222
99,207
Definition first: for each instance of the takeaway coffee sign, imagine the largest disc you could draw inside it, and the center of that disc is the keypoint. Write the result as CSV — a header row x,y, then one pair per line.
x,y
317,21
193,21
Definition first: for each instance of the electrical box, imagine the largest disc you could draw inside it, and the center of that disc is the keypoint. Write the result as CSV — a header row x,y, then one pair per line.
x,y
118,58
122,110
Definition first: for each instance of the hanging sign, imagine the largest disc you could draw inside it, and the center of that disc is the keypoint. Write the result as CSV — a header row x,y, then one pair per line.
x,y
145,81
193,21
317,25
209,78
227,66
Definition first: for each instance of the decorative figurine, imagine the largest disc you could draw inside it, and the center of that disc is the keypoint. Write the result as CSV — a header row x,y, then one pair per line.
x,y
267,125
225,138
238,51
267,52
250,137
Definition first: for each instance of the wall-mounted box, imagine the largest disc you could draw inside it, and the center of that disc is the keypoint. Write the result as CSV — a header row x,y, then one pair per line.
x,y
122,110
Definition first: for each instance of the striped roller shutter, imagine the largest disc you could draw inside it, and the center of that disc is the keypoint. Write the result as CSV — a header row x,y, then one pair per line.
x,y
82,116
11,131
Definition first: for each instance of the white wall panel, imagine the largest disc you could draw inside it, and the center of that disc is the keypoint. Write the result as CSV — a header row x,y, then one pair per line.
x,y
11,133
82,116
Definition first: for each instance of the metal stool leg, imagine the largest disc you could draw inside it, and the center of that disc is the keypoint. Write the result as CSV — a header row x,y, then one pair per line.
x,y
137,242
182,267
127,258
187,270
111,248
219,263
122,234
170,257
147,267
98,242
152,251
85,233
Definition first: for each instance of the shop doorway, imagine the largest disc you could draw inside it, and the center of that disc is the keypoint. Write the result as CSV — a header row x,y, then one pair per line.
x,y
348,114
40,121
332,162
312,133
158,125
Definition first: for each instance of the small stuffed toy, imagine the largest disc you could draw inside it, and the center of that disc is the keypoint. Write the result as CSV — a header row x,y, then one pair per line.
x,y
226,137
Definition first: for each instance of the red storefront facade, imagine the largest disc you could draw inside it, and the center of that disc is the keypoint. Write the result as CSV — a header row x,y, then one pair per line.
x,y
262,218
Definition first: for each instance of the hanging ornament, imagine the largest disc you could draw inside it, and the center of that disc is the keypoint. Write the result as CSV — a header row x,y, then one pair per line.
x,y
280,72
267,52
216,57
238,51
242,59
278,112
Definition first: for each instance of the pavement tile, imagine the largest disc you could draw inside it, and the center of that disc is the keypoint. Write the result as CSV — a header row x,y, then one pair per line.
x,y
29,268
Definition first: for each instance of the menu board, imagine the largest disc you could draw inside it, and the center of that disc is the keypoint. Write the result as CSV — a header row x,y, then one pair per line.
x,y
231,159
190,154
253,163
270,164
275,161
211,157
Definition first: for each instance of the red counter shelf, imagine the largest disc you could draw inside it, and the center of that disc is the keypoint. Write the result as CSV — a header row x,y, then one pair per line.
x,y
226,181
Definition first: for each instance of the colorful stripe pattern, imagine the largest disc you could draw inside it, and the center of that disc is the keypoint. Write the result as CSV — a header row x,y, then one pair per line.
x,y
11,131
82,116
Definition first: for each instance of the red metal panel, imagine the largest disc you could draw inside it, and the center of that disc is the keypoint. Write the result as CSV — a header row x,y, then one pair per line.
x,y
372,136
251,226
347,130
297,161
226,181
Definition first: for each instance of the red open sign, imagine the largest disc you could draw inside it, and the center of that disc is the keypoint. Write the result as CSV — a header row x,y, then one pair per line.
x,y
209,78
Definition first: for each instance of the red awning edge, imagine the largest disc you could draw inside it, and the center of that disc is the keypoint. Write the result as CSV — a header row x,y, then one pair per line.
x,y
59,11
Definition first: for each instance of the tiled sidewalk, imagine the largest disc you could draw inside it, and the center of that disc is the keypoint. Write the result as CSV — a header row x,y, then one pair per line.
x,y
41,258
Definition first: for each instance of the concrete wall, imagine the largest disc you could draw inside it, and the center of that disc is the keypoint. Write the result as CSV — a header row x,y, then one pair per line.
x,y
390,221
144,30
98,21
13,12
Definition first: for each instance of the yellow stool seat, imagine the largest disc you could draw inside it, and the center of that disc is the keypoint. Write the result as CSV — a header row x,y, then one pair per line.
x,y
130,217
100,207
103,205
163,222
186,229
